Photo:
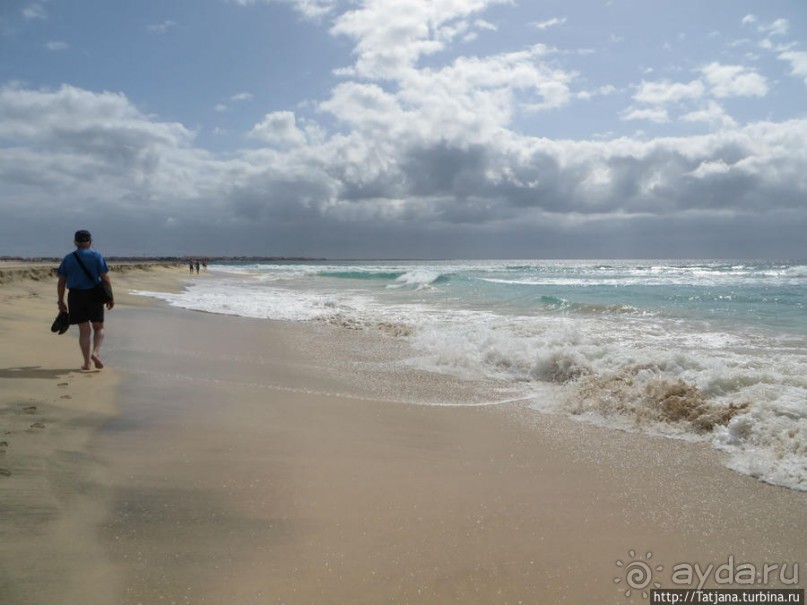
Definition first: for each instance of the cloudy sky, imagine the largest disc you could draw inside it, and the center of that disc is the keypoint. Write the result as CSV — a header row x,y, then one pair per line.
x,y
405,128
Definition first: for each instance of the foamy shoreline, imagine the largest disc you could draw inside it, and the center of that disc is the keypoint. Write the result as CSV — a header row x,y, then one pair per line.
x,y
242,466
618,357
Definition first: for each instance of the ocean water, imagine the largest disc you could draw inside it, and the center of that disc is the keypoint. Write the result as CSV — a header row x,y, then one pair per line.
x,y
708,351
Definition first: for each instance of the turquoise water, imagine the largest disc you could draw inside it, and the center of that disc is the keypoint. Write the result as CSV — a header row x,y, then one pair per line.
x,y
709,351
762,294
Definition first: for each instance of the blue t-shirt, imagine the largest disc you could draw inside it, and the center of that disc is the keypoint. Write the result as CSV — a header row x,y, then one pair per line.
x,y
72,271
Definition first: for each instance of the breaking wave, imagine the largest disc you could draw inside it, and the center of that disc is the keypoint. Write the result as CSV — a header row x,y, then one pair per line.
x,y
709,352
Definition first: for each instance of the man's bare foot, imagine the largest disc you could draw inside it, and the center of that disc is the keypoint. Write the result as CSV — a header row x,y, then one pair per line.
x,y
86,367
97,361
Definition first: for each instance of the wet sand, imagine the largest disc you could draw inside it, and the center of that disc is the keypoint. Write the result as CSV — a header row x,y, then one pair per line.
x,y
248,461
53,490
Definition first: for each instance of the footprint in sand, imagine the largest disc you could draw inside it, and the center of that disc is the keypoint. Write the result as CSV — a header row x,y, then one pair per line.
x,y
65,397
4,472
3,447
63,384
31,409
37,425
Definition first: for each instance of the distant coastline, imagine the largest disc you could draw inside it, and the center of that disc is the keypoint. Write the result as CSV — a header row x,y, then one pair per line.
x,y
16,268
167,259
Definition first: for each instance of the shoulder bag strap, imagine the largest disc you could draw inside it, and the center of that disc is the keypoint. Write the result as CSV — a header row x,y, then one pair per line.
x,y
84,267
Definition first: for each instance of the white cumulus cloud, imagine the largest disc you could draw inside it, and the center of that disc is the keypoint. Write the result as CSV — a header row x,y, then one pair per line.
x,y
658,115
392,37
712,114
312,9
278,128
555,21
664,91
777,28
798,63
734,81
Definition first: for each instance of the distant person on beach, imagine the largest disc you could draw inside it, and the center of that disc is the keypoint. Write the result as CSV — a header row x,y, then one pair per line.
x,y
82,305
190,264
197,267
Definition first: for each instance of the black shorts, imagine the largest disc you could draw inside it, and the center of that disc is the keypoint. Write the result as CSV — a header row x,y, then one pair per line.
x,y
83,307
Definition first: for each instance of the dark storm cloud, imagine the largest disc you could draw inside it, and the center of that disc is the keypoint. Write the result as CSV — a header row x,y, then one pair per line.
x,y
94,161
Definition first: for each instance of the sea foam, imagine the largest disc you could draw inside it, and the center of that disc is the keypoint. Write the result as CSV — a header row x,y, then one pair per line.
x,y
708,352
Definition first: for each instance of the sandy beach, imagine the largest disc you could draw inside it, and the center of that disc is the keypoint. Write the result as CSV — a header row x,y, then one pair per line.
x,y
228,460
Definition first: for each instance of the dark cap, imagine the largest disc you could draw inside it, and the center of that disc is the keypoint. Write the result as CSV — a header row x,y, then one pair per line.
x,y
83,236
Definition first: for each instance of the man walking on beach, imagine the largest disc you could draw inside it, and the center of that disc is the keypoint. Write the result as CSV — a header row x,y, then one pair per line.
x,y
83,306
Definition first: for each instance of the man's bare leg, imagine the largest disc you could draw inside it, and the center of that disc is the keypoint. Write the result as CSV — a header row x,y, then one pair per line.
x,y
98,339
84,337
